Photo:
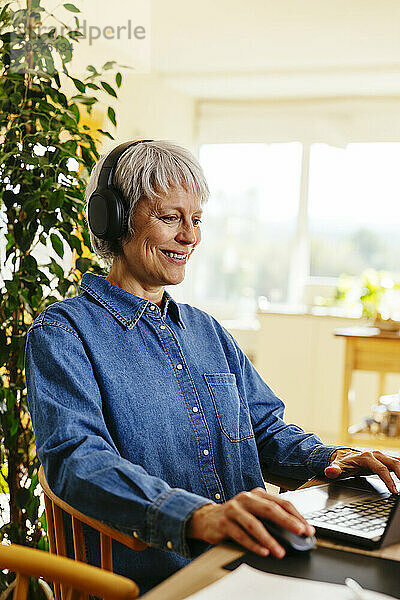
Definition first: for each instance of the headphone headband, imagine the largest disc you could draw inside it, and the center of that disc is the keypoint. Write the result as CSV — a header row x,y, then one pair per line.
x,y
107,209
110,162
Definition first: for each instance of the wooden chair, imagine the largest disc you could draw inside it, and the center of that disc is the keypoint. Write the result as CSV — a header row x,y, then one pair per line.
x,y
78,580
55,507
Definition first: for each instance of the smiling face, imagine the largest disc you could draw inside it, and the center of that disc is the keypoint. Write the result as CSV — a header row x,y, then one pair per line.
x,y
166,231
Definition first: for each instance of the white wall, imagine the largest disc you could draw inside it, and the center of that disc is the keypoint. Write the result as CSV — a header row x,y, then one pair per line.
x,y
335,121
303,362
149,108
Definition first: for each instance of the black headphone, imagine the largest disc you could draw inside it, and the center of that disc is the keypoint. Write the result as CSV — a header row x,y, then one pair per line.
x,y
107,208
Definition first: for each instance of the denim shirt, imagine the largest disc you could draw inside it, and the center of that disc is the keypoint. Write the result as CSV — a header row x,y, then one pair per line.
x,y
142,416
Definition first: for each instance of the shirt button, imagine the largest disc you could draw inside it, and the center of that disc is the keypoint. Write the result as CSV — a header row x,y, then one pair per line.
x,y
195,409
135,534
169,545
179,366
205,452
217,496
162,326
152,307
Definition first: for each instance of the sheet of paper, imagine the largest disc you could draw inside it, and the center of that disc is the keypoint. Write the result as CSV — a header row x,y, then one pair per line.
x,y
246,583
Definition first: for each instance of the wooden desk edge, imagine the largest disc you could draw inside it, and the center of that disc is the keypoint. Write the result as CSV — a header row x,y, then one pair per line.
x,y
207,568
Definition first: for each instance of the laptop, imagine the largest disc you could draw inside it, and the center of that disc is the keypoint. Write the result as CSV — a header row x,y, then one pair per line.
x,y
357,511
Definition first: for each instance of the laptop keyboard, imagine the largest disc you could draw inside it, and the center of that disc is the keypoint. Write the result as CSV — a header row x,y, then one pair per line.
x,y
362,516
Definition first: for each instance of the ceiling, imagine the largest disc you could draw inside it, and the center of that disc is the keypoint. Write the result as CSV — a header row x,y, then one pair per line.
x,y
282,48
259,49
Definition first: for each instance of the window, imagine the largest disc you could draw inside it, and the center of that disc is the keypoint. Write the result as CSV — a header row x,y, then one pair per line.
x,y
354,208
265,234
248,224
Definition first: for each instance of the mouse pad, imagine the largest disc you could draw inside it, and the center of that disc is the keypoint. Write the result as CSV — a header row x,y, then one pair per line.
x,y
331,566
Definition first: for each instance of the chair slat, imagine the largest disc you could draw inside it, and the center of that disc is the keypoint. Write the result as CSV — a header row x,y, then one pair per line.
x,y
106,552
74,595
79,548
79,540
60,541
55,508
48,505
123,538
21,588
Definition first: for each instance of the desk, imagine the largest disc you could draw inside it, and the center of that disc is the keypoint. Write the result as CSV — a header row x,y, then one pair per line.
x,y
207,568
368,349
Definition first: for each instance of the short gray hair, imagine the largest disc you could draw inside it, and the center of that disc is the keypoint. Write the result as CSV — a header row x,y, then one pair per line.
x,y
147,170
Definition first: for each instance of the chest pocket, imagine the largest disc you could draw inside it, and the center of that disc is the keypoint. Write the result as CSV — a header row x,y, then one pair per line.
x,y
232,414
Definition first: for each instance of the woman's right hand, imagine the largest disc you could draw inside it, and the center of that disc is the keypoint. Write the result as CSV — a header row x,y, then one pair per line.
x,y
237,519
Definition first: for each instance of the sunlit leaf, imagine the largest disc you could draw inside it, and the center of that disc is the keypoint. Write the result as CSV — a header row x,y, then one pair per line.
x,y
109,65
71,7
79,84
109,89
57,244
111,115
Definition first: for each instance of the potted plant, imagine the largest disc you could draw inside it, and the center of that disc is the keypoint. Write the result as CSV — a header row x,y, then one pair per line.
x,y
46,154
377,293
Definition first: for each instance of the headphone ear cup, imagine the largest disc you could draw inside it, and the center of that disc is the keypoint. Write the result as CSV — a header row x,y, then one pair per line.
x,y
107,215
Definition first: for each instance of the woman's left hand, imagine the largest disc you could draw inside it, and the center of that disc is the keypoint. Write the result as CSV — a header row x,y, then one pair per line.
x,y
350,462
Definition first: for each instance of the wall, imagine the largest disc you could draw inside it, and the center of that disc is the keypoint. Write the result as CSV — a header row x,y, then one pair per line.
x,y
303,362
149,108
335,121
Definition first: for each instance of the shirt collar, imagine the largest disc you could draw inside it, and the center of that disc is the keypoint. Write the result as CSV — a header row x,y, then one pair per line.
x,y
124,306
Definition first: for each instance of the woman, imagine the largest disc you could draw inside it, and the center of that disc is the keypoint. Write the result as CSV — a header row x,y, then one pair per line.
x,y
147,414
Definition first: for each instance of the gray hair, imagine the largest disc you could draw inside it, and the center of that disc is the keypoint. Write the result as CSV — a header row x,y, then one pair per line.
x,y
147,170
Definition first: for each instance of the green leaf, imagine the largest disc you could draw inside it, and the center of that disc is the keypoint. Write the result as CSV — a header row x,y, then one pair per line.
x,y
43,543
118,79
57,244
64,48
109,89
87,100
83,264
56,269
75,243
106,134
75,111
75,35
29,264
63,286
111,115
79,85
72,8
109,65
4,10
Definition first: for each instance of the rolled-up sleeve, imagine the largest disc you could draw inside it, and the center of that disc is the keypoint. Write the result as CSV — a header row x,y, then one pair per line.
x,y
81,461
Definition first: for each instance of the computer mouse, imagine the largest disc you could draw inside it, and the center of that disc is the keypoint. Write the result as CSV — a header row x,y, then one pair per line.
x,y
288,539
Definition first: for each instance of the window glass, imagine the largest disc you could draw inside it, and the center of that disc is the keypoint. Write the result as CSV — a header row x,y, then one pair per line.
x,y
354,208
248,223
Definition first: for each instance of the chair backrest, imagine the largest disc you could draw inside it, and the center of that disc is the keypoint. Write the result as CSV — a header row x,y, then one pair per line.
x,y
55,507
78,580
